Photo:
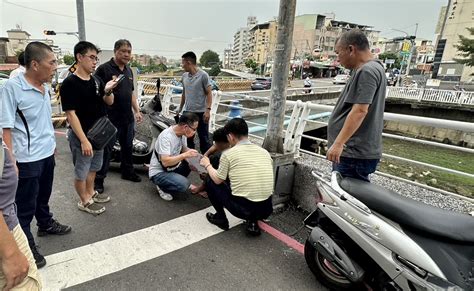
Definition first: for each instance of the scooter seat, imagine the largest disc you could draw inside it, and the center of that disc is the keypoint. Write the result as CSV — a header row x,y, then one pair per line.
x,y
410,213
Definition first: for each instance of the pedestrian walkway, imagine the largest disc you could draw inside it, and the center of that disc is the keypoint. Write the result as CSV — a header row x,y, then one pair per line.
x,y
144,243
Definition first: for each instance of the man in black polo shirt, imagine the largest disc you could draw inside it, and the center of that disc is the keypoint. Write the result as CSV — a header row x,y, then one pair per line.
x,y
123,113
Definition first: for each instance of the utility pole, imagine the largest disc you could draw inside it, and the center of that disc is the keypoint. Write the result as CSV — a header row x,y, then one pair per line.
x,y
81,26
286,18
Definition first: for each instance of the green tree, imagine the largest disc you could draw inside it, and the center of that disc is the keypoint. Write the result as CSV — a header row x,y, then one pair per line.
x,y
136,64
69,59
465,48
161,68
251,64
215,70
209,58
391,56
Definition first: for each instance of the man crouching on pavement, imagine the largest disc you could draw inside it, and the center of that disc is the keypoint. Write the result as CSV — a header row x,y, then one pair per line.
x,y
168,166
250,171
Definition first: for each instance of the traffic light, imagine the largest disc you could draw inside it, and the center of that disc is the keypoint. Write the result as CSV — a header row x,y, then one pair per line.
x,y
49,32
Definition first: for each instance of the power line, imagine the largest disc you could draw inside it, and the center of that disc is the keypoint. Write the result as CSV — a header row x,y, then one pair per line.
x,y
114,25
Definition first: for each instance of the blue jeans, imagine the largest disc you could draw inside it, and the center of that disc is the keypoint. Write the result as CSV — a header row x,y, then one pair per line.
x,y
35,183
356,168
203,134
174,182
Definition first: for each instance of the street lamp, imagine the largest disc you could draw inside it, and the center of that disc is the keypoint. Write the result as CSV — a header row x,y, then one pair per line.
x,y
52,32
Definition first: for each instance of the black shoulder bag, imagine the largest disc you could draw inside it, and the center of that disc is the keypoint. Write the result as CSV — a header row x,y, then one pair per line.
x,y
103,131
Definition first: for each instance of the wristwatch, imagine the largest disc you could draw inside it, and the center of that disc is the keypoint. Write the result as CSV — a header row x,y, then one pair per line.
x,y
108,93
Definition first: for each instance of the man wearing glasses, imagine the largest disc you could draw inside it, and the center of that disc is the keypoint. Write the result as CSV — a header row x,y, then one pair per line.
x,y
83,98
168,166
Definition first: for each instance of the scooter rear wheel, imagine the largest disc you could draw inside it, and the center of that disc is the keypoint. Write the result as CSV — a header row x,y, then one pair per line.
x,y
324,271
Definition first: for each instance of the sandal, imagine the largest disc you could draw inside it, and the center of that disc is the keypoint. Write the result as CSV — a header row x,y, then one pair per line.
x,y
91,207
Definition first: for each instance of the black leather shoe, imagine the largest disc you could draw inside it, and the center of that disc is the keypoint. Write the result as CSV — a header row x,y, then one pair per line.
x,y
132,177
253,229
222,223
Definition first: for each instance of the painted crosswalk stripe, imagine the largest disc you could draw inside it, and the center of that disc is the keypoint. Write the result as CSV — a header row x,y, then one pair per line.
x,y
89,262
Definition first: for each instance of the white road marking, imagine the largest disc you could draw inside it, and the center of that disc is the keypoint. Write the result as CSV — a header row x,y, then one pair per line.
x,y
89,262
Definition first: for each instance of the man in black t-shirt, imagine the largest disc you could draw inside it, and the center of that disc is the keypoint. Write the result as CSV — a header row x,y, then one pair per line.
x,y
84,98
123,113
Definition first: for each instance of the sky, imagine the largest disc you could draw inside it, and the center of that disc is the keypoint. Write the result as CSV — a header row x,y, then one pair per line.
x,y
171,27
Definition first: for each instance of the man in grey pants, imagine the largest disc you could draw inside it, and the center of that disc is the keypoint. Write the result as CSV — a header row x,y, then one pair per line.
x,y
196,98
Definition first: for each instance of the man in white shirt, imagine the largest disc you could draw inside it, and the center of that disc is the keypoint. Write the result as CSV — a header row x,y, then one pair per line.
x,y
21,69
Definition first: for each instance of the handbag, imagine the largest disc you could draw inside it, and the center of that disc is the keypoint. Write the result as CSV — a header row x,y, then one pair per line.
x,y
101,133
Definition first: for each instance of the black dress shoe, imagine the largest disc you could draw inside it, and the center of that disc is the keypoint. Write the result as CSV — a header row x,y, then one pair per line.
x,y
222,223
132,177
253,229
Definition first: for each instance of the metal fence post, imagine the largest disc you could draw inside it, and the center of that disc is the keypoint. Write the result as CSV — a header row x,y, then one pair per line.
x,y
301,126
167,100
216,99
289,142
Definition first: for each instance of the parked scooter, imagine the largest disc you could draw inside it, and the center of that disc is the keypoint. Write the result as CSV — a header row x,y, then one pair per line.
x,y
146,132
366,236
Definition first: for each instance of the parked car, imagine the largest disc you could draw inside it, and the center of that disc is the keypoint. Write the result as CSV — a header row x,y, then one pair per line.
x,y
341,79
261,84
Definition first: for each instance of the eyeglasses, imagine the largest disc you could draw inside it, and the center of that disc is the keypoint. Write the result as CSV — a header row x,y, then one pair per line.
x,y
92,57
192,128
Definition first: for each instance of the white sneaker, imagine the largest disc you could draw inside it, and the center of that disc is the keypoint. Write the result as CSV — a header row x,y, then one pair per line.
x,y
165,196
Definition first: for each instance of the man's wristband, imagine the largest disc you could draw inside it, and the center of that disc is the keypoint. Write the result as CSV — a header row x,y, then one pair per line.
x,y
207,166
108,93
208,108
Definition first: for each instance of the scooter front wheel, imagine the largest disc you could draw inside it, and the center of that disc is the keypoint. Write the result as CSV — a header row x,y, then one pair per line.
x,y
324,271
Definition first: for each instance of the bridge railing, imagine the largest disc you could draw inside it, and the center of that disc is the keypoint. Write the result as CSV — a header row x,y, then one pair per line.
x,y
299,119
148,87
431,95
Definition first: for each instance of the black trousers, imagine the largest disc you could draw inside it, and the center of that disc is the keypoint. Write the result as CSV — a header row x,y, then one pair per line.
x,y
221,197
35,184
125,134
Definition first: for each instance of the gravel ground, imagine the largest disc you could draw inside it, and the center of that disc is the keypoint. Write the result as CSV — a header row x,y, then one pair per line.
x,y
408,190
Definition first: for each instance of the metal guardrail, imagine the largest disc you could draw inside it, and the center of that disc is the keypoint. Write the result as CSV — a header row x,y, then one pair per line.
x,y
431,95
148,86
299,118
